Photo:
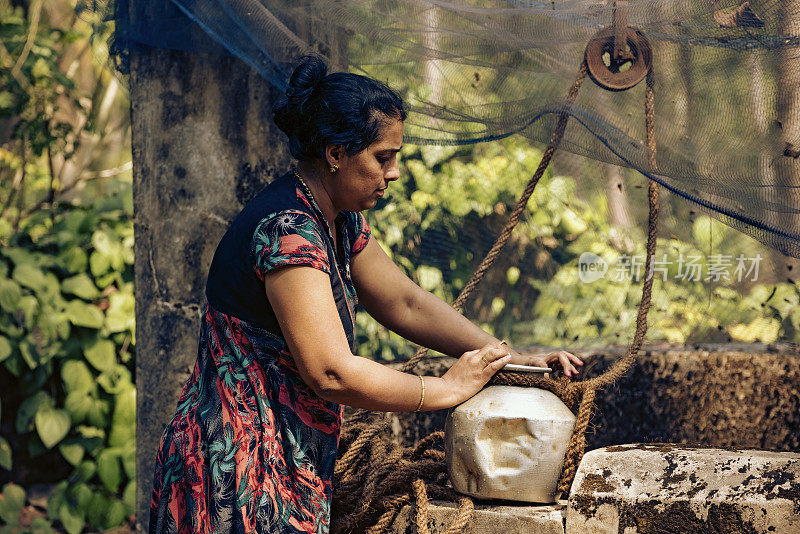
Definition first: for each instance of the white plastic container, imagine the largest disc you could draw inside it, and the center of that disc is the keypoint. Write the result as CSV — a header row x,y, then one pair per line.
x,y
508,442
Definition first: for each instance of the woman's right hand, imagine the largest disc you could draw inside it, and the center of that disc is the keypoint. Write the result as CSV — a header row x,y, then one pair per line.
x,y
471,372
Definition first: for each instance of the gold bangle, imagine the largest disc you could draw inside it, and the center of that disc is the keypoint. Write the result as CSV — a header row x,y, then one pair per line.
x,y
422,394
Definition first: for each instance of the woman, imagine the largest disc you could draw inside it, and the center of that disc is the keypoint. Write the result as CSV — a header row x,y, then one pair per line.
x,y
253,443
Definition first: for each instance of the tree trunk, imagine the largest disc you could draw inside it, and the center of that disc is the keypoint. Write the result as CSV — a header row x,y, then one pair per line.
x,y
203,144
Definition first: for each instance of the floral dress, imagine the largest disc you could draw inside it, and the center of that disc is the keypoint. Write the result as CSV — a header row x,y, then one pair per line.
x,y
252,447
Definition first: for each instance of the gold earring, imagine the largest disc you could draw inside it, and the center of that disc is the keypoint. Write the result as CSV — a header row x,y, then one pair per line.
x,y
334,168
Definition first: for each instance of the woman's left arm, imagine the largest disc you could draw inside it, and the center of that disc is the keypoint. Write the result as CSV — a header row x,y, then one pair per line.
x,y
400,305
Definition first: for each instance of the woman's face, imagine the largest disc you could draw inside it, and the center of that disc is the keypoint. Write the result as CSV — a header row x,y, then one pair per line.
x,y
363,177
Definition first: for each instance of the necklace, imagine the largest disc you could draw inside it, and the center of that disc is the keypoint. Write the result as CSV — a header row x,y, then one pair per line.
x,y
306,189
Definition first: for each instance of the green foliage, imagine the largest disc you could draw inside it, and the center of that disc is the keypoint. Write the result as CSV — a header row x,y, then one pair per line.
x,y
439,219
67,349
66,271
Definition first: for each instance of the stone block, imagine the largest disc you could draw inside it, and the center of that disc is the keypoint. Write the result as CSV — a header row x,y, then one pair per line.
x,y
487,519
666,488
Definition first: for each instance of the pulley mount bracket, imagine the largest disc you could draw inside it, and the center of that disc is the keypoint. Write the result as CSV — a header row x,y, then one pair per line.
x,y
618,56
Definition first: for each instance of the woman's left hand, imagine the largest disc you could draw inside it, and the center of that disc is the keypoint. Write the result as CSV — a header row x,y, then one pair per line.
x,y
566,360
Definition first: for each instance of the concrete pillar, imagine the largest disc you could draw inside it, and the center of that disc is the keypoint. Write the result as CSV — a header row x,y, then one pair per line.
x,y
203,145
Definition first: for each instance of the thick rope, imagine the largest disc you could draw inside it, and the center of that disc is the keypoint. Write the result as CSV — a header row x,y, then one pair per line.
x,y
371,504
516,213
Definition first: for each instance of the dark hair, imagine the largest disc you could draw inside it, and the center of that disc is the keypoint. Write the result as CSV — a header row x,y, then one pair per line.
x,y
333,109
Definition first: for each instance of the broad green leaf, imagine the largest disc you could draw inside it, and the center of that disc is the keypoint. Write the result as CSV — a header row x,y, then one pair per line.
x,y
5,348
117,512
77,377
10,294
5,454
52,425
97,510
30,276
81,286
72,520
109,470
28,409
78,404
74,260
123,425
81,314
19,255
72,452
101,354
81,495
28,304
11,502
98,264
128,458
98,412
120,312
129,495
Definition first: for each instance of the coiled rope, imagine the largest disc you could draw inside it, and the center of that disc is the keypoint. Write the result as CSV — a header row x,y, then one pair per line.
x,y
374,477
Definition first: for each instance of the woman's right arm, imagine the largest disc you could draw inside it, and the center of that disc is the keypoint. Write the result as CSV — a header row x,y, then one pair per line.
x,y
303,303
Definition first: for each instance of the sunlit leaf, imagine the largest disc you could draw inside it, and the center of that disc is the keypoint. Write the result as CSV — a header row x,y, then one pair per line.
x,y
10,294
123,426
28,409
72,520
72,452
52,425
101,354
80,285
109,470
28,275
77,377
82,314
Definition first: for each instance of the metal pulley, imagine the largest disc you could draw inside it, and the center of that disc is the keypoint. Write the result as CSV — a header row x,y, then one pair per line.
x,y
618,56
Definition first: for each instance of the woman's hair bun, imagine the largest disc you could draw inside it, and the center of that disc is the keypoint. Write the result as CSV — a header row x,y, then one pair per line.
x,y
307,75
310,71
341,108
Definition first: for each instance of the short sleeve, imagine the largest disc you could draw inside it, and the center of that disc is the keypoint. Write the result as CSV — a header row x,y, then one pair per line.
x,y
288,238
361,233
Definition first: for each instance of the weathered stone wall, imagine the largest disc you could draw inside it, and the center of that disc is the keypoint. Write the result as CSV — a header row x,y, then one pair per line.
x,y
203,145
715,396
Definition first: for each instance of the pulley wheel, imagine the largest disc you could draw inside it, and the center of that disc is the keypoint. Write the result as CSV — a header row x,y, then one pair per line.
x,y
613,74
